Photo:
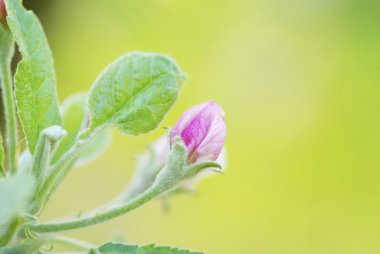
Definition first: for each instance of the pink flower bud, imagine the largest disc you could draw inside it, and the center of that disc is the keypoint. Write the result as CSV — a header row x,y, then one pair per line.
x,y
203,130
3,12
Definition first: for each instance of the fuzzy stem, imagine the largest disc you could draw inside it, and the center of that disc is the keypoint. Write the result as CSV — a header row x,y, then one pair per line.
x,y
54,177
60,169
9,109
99,217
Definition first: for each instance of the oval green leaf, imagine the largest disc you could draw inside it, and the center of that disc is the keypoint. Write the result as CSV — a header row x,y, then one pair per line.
x,y
135,92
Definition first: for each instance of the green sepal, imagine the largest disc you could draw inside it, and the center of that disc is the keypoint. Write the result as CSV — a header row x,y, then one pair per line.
x,y
177,169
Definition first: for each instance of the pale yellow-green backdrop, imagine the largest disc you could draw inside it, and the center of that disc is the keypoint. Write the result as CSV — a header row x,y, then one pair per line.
x,y
300,83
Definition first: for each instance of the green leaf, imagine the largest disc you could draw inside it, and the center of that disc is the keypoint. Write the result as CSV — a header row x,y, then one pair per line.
x,y
117,248
14,194
75,119
35,82
135,92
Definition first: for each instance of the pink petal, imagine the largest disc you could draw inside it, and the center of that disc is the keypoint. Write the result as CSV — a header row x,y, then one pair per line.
x,y
203,130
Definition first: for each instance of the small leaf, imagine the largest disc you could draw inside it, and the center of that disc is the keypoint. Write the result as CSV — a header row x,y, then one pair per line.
x,y
74,117
14,194
74,114
35,82
135,92
117,248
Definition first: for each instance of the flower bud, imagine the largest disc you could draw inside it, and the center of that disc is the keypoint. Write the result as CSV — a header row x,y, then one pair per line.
x,y
203,130
3,12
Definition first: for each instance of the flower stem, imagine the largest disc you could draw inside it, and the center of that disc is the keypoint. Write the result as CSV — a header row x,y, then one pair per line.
x,y
99,216
175,171
60,169
55,176
9,107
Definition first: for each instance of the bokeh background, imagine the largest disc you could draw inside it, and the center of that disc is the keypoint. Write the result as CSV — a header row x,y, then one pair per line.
x,y
299,81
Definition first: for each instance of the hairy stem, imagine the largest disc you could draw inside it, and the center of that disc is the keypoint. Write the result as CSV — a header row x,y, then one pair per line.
x,y
54,177
59,171
100,216
175,171
9,108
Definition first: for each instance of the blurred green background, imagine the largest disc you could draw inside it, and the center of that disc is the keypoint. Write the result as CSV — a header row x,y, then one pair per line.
x,y
299,81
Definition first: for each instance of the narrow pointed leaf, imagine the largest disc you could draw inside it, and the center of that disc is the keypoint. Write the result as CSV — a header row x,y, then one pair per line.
x,y
135,92
35,82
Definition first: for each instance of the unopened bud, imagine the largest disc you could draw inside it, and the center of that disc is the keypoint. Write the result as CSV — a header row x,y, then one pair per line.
x,y
203,130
